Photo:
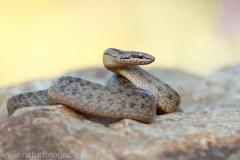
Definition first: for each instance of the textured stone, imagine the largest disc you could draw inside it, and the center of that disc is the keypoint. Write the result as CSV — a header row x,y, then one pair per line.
x,y
98,75
197,135
207,128
218,90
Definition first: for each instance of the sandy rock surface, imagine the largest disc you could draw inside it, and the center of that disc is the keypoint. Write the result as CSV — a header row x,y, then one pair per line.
x,y
207,128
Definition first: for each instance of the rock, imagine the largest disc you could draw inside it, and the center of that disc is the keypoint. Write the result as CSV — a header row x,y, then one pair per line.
x,y
58,129
207,128
98,75
173,76
218,90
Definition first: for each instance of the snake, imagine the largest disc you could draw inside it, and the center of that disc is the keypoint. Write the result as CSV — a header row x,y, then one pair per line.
x,y
130,92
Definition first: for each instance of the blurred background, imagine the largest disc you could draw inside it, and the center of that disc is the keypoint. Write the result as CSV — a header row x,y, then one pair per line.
x,y
41,39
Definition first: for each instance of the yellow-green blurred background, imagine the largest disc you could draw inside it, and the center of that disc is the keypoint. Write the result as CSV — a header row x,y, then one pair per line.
x,y
46,38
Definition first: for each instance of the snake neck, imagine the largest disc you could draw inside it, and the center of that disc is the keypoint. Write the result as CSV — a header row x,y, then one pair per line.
x,y
135,74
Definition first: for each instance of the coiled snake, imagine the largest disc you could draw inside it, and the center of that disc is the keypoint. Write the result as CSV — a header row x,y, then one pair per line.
x,y
130,92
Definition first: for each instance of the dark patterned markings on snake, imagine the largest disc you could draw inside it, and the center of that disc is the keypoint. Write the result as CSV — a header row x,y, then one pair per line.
x,y
130,92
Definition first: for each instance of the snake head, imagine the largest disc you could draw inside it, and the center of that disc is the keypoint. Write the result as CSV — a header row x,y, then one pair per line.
x,y
123,58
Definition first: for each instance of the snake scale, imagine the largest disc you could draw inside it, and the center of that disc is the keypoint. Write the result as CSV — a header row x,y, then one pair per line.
x,y
130,92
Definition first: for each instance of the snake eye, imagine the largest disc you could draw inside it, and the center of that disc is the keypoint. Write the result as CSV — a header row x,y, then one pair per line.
x,y
140,56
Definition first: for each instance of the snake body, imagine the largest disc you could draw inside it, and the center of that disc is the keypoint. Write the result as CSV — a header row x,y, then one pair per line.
x,y
130,92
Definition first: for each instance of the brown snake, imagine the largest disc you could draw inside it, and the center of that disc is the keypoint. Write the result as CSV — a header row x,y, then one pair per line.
x,y
130,92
